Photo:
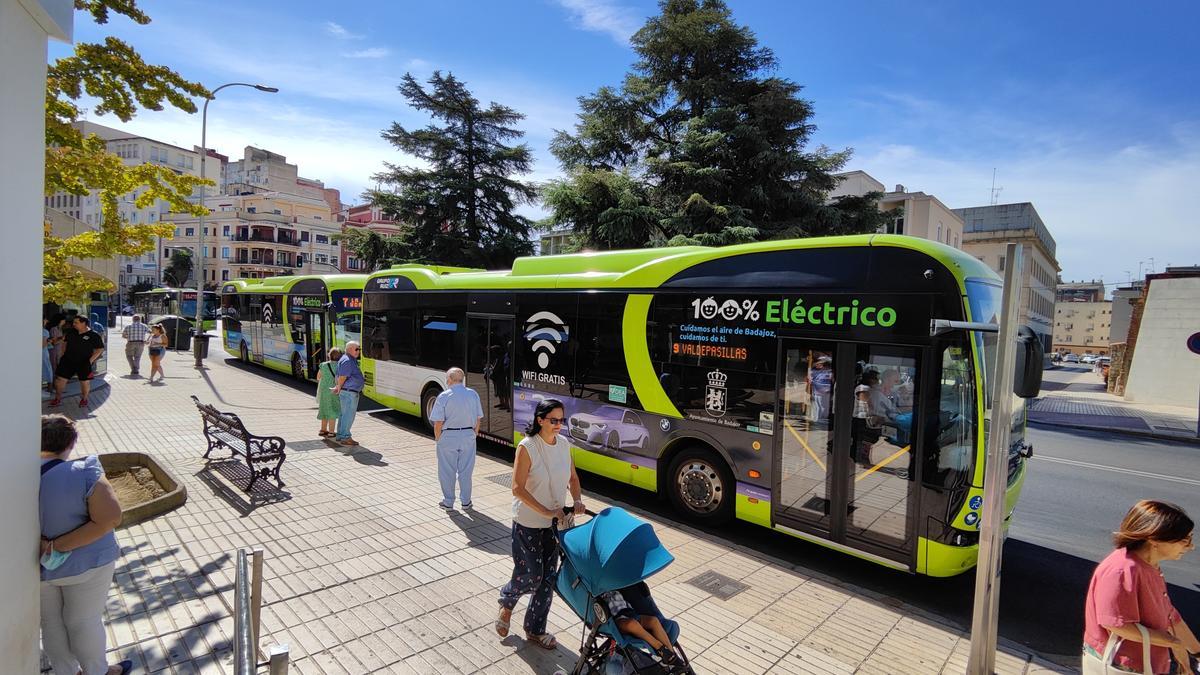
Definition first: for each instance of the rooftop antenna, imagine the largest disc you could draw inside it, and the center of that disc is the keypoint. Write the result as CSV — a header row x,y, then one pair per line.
x,y
995,190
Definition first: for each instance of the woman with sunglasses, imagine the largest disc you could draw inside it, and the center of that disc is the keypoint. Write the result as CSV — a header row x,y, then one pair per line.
x,y
1128,589
543,472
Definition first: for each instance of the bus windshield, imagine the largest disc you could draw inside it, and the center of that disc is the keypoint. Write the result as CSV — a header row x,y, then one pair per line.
x,y
985,299
187,306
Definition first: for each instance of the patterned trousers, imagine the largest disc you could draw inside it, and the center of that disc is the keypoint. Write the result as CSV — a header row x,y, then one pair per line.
x,y
535,570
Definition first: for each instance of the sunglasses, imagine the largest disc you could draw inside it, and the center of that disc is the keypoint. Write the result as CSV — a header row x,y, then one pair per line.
x,y
556,421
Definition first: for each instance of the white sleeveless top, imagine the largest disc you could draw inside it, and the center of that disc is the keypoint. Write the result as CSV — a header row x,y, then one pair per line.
x,y
548,481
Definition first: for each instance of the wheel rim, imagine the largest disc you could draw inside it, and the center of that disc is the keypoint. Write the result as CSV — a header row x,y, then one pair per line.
x,y
700,486
429,401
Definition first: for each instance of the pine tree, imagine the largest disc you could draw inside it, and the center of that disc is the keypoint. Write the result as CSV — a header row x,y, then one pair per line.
x,y
717,141
459,209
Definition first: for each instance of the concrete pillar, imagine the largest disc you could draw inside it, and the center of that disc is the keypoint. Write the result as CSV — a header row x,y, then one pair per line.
x,y
24,27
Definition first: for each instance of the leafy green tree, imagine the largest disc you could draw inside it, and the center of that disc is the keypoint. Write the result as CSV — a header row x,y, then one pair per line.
x,y
179,270
716,140
460,208
608,209
139,287
122,83
375,251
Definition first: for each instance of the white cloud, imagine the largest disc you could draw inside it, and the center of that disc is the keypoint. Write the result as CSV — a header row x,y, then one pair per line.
x,y
604,16
370,53
339,31
1106,210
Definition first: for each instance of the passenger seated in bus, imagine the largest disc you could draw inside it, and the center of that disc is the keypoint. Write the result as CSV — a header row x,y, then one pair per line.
x,y
636,615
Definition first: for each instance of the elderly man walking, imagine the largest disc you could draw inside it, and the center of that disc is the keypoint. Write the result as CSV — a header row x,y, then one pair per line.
x,y
349,387
135,340
456,416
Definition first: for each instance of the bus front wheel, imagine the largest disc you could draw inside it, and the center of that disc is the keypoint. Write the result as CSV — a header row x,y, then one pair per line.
x,y
297,367
701,487
245,353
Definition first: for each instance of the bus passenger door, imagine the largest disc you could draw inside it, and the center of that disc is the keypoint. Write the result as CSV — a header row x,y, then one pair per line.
x,y
489,371
314,341
844,465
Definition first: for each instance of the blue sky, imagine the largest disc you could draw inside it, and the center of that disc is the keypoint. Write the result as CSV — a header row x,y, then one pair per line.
x,y
1091,112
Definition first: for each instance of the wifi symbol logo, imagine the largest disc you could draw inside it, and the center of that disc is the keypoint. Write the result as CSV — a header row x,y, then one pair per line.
x,y
544,331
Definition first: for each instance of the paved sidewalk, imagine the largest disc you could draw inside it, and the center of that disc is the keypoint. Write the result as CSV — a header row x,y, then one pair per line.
x,y
1077,398
364,573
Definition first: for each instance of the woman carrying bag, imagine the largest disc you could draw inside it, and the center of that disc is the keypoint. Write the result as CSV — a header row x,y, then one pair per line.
x,y
329,409
1127,604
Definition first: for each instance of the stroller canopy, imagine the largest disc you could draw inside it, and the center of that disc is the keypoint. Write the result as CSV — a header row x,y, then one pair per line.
x,y
614,550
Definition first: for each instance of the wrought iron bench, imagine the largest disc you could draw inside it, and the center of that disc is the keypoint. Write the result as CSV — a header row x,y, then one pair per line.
x,y
225,430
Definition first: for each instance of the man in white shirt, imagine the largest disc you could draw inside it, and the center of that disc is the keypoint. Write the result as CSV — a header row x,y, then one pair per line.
x,y
135,341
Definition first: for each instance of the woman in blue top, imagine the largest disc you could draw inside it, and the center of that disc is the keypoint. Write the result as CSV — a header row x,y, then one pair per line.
x,y
79,511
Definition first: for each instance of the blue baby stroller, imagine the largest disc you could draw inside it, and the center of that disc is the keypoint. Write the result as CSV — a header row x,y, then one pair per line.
x,y
611,551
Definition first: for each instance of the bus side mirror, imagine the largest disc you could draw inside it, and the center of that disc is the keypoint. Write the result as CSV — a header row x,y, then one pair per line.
x,y
1028,380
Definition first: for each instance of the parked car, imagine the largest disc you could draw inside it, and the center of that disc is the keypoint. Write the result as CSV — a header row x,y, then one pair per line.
x,y
609,426
1088,358
1071,358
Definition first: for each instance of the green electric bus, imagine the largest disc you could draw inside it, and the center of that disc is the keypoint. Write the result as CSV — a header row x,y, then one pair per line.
x,y
793,384
158,303
289,323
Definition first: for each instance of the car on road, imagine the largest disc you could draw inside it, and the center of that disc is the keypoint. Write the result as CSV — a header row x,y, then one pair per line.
x,y
609,426
1088,358
1071,358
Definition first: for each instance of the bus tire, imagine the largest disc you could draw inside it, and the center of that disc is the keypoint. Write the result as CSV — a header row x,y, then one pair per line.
x,y
297,368
701,486
245,353
427,398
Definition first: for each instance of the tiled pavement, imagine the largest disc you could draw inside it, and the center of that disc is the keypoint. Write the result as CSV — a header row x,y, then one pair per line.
x,y
364,573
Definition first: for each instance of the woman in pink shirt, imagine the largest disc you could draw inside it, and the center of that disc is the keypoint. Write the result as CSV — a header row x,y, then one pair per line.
x,y
1128,588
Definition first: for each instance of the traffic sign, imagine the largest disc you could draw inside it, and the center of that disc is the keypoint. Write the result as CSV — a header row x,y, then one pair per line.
x,y
1193,343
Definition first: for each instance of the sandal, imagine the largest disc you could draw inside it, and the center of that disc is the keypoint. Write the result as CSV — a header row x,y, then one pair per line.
x,y
545,640
502,623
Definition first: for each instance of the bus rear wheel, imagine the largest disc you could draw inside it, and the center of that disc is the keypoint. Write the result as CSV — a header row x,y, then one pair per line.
x,y
427,398
245,353
701,487
297,367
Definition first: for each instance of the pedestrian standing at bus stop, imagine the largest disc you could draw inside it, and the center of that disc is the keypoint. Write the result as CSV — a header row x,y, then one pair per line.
x,y
456,415
135,340
349,387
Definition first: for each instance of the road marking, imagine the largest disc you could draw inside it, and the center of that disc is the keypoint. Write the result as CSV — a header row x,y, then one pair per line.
x,y
1115,469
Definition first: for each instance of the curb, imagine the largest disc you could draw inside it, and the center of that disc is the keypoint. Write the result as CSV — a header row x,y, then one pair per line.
x,y
1192,440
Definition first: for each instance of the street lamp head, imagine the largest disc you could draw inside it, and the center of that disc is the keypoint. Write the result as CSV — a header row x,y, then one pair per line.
x,y
269,90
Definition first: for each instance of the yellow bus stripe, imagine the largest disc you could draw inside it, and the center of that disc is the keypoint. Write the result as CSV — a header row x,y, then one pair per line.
x,y
882,464
810,450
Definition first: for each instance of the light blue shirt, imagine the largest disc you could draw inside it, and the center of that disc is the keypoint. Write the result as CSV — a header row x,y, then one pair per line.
x,y
458,407
62,503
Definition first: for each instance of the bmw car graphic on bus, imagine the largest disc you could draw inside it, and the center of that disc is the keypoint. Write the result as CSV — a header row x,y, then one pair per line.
x,y
609,426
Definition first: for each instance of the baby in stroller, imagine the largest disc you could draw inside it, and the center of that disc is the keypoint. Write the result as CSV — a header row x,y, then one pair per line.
x,y
604,565
633,610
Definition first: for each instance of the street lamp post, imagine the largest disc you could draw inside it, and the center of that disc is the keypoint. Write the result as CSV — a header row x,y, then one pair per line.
x,y
199,327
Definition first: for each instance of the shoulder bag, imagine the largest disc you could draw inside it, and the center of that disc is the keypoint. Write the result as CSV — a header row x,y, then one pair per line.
x,y
1103,665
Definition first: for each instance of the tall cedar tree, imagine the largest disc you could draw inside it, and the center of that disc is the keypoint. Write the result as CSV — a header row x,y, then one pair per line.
x,y
713,142
120,82
458,210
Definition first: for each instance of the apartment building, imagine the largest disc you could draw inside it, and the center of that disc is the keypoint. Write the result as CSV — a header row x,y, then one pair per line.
x,y
555,242
915,214
1082,327
269,221
365,217
133,150
1080,291
986,232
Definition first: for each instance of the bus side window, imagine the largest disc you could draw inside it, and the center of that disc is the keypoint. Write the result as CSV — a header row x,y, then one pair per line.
x,y
950,445
599,363
441,330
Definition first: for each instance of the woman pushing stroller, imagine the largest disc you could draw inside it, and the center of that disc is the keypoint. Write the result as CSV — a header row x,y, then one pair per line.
x,y
543,472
